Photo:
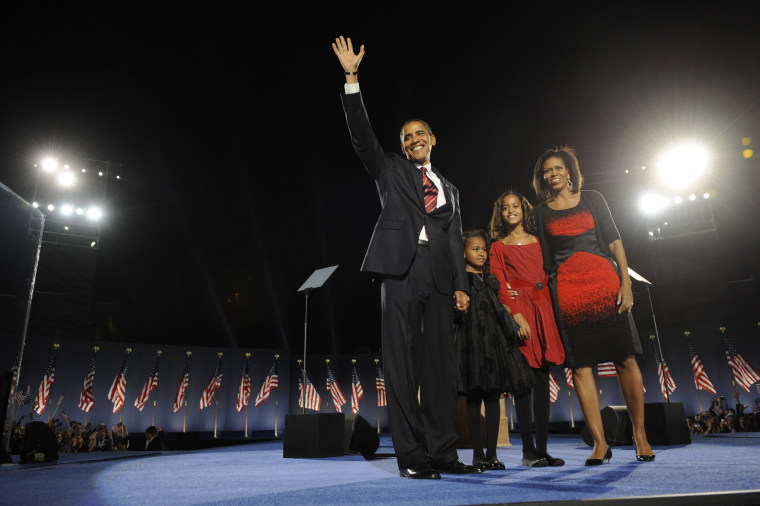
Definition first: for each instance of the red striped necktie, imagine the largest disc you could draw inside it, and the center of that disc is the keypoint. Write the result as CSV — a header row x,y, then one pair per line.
x,y
431,192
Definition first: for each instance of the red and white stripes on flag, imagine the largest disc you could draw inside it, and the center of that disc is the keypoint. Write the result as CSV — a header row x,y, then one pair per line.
x,y
553,388
14,375
244,390
119,387
744,373
272,381
43,392
380,384
214,382
569,377
337,394
701,380
356,391
606,369
23,397
311,400
150,384
184,382
667,385
87,397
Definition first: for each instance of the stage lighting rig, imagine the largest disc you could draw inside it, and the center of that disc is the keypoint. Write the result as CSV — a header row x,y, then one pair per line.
x,y
73,196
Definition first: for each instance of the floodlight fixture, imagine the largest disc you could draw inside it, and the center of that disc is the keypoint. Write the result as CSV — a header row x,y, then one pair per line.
x,y
35,205
706,195
692,197
49,164
678,200
51,207
79,211
66,179
94,213
682,165
651,203
67,209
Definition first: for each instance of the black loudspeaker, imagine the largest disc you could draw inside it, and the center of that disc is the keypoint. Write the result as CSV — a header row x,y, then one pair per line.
x,y
666,423
314,435
40,443
617,427
5,392
359,437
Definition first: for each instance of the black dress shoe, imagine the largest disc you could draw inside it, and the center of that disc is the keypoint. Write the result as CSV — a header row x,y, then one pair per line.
x,y
480,463
534,461
421,471
495,464
456,467
553,462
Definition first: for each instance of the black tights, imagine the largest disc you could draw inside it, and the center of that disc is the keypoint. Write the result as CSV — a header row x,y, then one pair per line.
x,y
493,413
541,405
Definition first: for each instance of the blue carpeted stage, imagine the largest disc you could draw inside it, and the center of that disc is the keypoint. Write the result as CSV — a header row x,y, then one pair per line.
x,y
720,469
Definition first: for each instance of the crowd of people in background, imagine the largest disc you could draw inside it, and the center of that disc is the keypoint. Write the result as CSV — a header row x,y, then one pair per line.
x,y
74,437
722,419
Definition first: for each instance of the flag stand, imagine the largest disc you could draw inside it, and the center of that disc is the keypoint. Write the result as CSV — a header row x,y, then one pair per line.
x,y
511,418
216,416
184,416
377,361
570,401
155,395
276,400
245,434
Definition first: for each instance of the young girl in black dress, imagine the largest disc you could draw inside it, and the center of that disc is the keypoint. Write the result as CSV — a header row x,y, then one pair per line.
x,y
490,362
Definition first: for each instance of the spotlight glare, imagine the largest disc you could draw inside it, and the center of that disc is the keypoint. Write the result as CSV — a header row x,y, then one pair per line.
x,y
682,165
678,200
100,173
92,244
80,211
51,207
652,204
66,179
94,213
35,205
692,197
49,164
67,209
706,195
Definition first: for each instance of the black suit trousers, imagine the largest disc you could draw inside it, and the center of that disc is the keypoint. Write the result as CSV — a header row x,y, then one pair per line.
x,y
419,353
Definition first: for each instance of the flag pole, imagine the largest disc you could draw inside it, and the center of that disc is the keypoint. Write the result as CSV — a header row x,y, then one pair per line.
x,y
699,395
327,399
155,394
377,361
216,411
184,411
50,395
245,435
276,399
570,401
511,418
733,376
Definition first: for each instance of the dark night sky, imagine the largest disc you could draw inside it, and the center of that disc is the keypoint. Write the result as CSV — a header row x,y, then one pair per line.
x,y
238,175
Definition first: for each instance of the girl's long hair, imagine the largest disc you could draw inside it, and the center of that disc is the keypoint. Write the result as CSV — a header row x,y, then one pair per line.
x,y
497,228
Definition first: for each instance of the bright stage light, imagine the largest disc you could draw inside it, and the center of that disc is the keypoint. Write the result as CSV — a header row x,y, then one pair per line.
x,y
652,204
94,213
706,195
49,164
67,209
35,205
66,179
51,207
682,165
678,200
692,197
80,211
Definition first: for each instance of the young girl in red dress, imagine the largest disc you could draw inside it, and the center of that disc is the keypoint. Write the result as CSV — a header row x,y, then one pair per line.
x,y
517,262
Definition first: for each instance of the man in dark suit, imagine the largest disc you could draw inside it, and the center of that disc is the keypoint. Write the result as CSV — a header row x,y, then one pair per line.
x,y
416,249
154,439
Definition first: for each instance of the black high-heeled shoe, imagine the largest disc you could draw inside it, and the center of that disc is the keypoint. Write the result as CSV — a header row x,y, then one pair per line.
x,y
598,462
643,458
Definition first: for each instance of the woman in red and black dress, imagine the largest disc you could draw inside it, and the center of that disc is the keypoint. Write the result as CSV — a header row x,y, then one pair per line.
x,y
591,292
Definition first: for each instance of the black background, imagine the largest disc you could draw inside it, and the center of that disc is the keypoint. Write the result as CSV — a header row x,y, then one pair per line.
x,y
238,178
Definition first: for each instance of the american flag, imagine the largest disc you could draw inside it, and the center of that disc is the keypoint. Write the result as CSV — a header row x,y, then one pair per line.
x,y
380,383
43,392
312,400
87,397
744,373
118,388
356,391
569,377
244,391
606,369
23,397
150,384
667,385
271,381
214,382
700,376
184,382
14,374
337,394
553,388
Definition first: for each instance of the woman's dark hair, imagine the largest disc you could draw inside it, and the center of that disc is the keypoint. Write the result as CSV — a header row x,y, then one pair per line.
x,y
497,228
570,158
469,234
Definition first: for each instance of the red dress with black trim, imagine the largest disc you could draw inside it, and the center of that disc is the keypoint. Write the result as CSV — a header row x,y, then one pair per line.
x,y
522,267
585,283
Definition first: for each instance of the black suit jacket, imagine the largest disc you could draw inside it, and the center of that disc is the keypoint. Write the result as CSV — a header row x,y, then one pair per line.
x,y
399,186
